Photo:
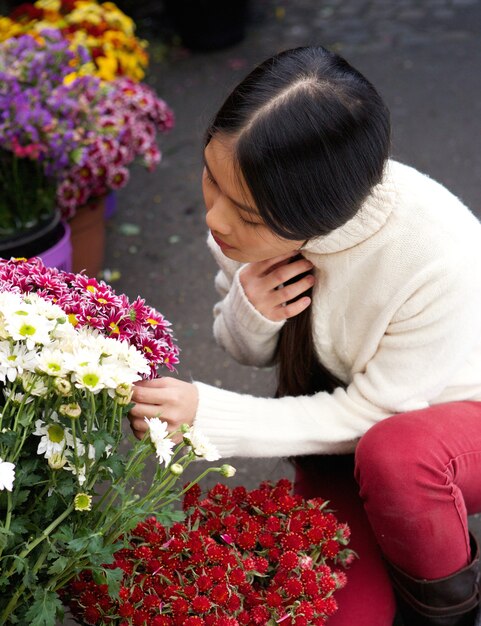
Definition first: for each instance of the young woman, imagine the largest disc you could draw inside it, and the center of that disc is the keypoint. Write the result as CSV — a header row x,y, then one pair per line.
x,y
361,278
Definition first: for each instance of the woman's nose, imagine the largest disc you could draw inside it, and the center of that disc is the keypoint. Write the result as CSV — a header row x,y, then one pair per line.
x,y
217,218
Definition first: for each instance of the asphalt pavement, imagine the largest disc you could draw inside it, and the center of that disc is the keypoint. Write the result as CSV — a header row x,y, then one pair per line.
x,y
424,56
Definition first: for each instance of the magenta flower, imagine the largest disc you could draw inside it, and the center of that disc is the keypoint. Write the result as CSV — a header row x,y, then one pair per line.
x,y
93,303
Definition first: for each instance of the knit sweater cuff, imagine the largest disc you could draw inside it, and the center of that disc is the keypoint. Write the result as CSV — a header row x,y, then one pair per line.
x,y
219,417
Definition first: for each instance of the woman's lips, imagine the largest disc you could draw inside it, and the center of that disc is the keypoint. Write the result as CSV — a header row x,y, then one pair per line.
x,y
221,244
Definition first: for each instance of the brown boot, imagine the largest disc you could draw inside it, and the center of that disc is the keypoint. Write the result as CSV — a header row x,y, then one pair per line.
x,y
450,601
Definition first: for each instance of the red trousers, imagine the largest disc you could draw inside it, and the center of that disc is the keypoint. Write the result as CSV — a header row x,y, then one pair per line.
x,y
406,495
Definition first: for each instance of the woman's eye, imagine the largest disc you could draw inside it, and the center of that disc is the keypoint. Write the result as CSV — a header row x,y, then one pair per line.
x,y
248,222
209,177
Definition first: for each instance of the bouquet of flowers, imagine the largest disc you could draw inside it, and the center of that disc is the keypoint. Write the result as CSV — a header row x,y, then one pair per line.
x,y
66,137
101,28
262,557
70,350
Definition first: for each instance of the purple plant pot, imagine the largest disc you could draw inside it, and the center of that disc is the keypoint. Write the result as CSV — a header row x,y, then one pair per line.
x,y
60,254
110,205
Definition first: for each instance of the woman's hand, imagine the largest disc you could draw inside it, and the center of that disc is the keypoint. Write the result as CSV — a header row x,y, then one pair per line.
x,y
265,285
173,401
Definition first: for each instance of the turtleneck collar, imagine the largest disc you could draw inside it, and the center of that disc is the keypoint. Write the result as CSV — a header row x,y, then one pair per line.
x,y
370,218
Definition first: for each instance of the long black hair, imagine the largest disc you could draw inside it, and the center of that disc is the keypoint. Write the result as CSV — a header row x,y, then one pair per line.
x,y
312,137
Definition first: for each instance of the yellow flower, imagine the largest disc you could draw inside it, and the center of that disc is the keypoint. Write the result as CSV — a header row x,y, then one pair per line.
x,y
86,12
69,78
48,5
117,19
107,67
9,28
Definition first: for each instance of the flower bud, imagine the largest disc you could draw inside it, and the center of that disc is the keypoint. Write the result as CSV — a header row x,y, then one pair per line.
x,y
176,469
124,390
184,428
71,410
227,470
122,400
62,386
56,461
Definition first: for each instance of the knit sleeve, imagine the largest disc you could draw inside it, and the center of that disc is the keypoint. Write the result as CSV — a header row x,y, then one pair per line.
x,y
248,336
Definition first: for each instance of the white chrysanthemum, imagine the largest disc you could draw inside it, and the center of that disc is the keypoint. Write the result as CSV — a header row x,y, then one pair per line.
x,y
52,362
159,436
55,437
3,328
9,301
81,355
201,445
157,429
134,359
7,475
163,451
81,450
117,375
17,397
91,377
15,358
79,472
24,324
46,308
34,384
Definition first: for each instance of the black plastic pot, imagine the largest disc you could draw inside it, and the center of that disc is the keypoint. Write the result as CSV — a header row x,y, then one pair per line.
x,y
35,240
206,25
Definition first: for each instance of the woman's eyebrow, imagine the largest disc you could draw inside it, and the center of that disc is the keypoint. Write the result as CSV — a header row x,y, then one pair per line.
x,y
244,207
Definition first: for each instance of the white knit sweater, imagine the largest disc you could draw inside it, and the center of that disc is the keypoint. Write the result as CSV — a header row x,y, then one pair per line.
x,y
396,315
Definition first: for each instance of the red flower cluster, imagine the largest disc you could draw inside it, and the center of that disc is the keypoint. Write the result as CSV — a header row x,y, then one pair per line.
x,y
239,558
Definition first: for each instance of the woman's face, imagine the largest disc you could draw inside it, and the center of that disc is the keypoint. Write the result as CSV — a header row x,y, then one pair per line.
x,y
232,215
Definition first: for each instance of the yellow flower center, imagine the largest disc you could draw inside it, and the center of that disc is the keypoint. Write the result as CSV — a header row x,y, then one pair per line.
x,y
83,502
55,433
90,380
27,330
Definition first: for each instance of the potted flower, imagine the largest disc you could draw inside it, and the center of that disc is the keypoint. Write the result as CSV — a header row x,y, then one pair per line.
x,y
81,133
101,28
238,558
129,117
38,141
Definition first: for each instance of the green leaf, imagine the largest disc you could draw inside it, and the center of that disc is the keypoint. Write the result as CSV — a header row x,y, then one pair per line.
x,y
114,578
4,535
59,565
44,609
64,534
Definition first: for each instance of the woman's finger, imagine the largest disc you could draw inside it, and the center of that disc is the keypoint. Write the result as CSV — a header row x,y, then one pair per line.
x,y
290,310
152,394
293,290
287,272
141,411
